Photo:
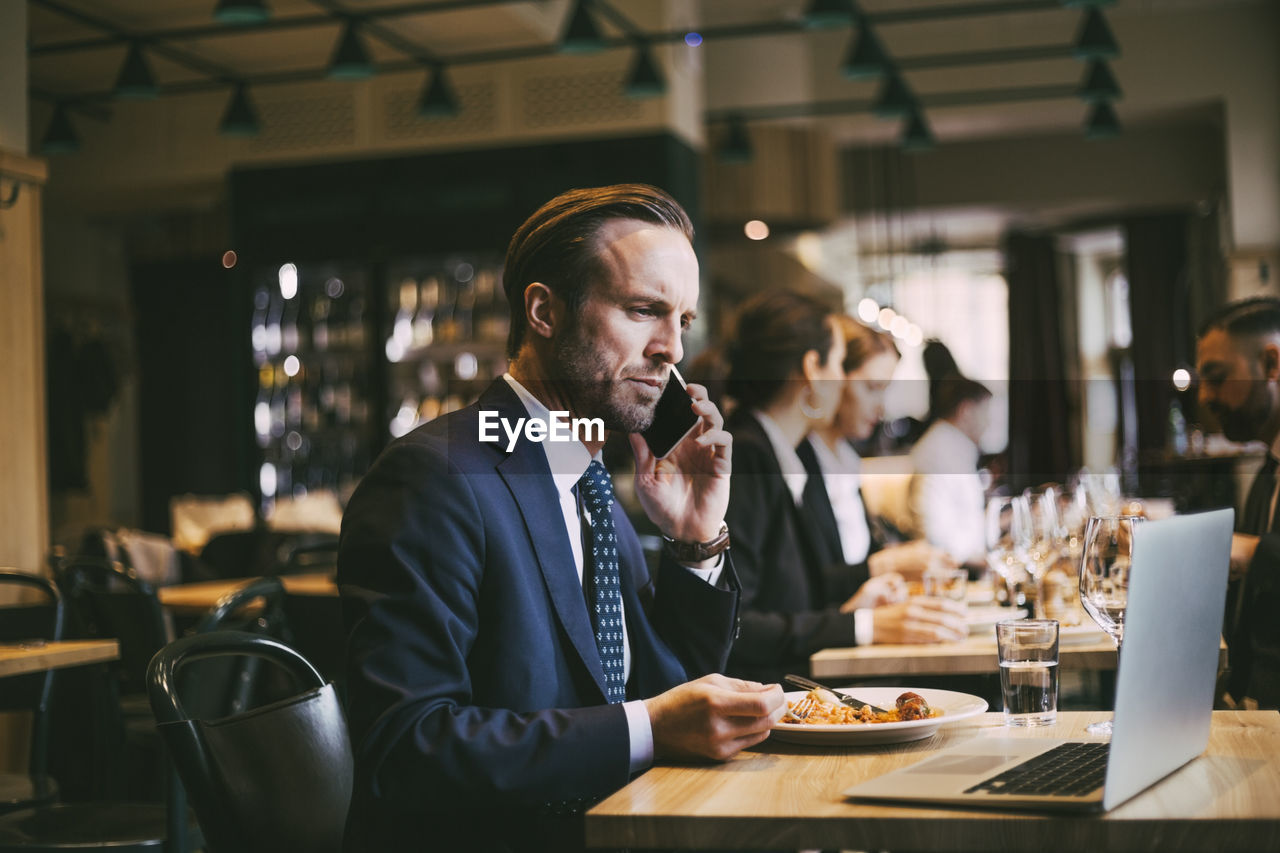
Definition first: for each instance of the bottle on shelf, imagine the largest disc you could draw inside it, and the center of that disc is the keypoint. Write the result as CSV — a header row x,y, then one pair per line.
x,y
401,341
289,325
424,318
355,336
261,302
272,334
445,330
320,322
262,404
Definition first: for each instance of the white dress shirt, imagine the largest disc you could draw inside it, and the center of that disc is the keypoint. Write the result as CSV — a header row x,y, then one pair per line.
x,y
568,461
841,475
947,495
793,470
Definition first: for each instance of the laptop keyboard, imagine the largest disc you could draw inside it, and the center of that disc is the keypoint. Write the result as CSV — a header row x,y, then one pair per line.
x,y
1067,770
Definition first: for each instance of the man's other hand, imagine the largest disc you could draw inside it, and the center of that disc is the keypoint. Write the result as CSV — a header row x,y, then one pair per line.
x,y
713,717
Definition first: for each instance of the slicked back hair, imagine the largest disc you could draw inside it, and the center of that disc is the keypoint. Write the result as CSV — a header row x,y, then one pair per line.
x,y
1257,316
557,244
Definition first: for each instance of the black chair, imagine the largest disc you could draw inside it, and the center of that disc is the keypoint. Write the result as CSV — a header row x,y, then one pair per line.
x,y
227,685
49,826
34,622
277,777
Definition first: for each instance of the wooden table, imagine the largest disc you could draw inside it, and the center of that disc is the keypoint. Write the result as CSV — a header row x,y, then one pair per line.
x,y
786,796
974,655
199,597
19,660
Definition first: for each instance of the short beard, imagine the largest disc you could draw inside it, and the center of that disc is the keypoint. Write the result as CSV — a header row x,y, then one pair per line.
x,y
591,397
1246,422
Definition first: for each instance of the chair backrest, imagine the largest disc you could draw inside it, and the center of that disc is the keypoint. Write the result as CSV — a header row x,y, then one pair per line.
x,y
277,777
38,622
227,684
108,599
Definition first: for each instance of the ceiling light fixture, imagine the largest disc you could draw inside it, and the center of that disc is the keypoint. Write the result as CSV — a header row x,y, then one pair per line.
x,y
239,12
916,135
895,99
736,147
350,59
60,137
438,99
136,80
1102,122
644,79
241,118
829,13
1099,84
866,58
581,35
1095,40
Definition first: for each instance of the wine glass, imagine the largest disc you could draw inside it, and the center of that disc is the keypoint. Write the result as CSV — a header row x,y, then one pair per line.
x,y
1104,580
1048,537
1009,539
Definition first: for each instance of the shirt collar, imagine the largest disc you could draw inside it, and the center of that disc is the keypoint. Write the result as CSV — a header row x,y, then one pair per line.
x,y
793,472
843,460
568,459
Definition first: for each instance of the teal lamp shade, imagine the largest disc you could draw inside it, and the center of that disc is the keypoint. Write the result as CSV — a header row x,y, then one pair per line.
x,y
240,118
438,98
895,99
60,137
736,147
917,136
350,60
136,82
581,35
1098,84
644,79
1102,122
241,12
1095,40
828,13
865,59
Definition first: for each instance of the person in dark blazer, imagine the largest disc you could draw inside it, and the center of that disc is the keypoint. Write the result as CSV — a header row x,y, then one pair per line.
x,y
509,658
833,495
1238,366
786,376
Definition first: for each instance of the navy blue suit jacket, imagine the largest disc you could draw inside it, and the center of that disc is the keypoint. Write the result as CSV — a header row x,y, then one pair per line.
x,y
474,684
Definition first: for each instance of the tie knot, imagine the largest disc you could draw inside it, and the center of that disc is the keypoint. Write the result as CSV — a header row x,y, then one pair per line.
x,y
596,487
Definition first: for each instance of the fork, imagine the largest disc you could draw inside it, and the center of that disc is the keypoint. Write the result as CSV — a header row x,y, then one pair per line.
x,y
803,708
844,698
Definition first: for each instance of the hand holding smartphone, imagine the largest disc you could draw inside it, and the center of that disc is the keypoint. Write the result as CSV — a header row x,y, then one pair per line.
x,y
673,419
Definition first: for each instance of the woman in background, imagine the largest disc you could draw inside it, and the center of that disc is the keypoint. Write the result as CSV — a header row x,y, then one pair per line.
x,y
834,494
786,374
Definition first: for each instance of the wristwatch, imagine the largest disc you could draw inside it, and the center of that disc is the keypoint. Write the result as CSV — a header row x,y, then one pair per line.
x,y
696,552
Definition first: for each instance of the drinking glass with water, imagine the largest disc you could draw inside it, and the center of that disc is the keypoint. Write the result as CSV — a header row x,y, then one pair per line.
x,y
1028,652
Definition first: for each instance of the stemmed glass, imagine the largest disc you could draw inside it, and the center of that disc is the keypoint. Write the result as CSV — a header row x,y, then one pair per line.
x,y
1048,538
1104,580
1009,537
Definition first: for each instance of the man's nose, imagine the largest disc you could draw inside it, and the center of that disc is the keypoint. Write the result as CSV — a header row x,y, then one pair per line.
x,y
666,343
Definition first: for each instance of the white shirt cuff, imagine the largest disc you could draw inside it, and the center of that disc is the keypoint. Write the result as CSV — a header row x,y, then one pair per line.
x,y
711,575
864,627
641,733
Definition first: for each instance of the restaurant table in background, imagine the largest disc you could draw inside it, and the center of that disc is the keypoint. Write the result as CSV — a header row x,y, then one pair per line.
x,y
974,655
780,795
192,598
22,658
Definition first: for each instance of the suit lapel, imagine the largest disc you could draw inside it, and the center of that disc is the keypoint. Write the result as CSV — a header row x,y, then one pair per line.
x,y
528,476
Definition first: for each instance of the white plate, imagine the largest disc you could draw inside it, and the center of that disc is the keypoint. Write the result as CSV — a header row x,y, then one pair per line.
x,y
955,707
1080,635
984,619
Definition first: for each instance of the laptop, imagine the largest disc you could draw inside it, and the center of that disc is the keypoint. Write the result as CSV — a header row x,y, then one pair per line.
x,y
1164,694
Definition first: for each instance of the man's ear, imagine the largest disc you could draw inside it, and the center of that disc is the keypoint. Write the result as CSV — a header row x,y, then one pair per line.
x,y
1271,361
541,309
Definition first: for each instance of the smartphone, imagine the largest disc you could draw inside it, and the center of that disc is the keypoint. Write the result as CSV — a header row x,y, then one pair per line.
x,y
673,419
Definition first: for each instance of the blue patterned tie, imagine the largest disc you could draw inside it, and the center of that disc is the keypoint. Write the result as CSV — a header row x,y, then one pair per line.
x,y
596,489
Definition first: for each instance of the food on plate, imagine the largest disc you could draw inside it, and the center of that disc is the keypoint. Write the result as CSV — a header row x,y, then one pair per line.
x,y
821,707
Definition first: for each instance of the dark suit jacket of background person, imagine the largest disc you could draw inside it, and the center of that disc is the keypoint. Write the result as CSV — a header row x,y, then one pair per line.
x,y
820,514
1253,637
475,693
792,585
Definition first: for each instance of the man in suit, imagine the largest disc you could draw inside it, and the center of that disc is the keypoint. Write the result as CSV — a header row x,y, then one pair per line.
x,y
1238,362
510,659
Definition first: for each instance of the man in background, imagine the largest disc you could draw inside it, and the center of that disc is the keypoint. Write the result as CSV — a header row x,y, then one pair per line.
x,y
1238,362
